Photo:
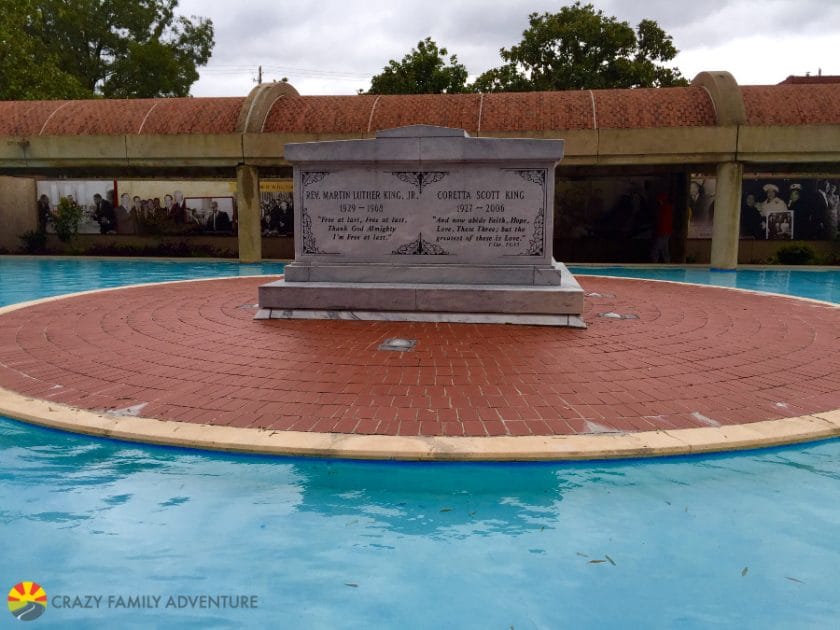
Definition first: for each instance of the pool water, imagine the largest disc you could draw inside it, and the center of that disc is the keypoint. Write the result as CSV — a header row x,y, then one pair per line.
x,y
823,284
737,540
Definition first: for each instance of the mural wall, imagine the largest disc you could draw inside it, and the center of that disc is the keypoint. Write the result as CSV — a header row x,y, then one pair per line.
x,y
277,207
608,207
772,208
164,207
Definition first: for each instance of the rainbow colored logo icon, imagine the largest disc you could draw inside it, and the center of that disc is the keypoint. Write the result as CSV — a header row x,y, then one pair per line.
x,y
27,601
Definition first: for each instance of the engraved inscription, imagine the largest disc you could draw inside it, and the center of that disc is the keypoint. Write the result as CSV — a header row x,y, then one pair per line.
x,y
470,213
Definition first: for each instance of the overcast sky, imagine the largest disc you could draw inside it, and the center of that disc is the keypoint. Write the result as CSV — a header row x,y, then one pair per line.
x,y
335,46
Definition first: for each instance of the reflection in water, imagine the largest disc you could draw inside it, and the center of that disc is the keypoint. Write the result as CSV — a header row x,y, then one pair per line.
x,y
749,539
32,278
489,544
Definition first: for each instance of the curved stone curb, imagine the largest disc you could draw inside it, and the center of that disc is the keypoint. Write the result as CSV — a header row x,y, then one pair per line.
x,y
379,447
65,296
816,426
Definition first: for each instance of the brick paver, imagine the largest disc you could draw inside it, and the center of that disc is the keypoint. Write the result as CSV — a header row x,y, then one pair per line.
x,y
191,352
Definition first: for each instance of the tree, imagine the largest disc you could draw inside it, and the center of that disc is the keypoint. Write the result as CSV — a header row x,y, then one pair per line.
x,y
27,69
422,71
581,48
116,48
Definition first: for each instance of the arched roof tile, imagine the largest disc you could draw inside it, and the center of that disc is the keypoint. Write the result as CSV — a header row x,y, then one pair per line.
x,y
194,116
320,114
771,105
646,108
25,118
117,117
537,111
96,118
512,113
445,110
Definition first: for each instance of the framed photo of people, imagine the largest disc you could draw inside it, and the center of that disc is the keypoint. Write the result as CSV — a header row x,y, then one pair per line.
x,y
163,207
801,208
779,225
277,211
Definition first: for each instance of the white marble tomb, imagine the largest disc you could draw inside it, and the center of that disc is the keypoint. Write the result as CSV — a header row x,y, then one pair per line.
x,y
425,223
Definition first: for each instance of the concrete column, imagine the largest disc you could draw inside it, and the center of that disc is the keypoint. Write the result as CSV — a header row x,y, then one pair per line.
x,y
248,205
18,212
727,221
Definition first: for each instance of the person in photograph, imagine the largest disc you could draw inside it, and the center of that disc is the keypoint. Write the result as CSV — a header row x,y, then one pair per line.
x,y
796,204
696,203
218,220
287,216
274,219
772,202
779,225
752,223
45,213
104,214
814,222
159,212
772,226
833,212
137,214
785,228
126,223
178,208
281,219
794,197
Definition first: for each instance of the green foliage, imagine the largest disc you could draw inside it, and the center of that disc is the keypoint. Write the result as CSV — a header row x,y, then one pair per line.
x,y
34,242
795,255
66,219
114,48
422,71
581,48
28,68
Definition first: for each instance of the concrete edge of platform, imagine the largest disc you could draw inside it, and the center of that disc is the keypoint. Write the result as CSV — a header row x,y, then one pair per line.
x,y
409,448
66,296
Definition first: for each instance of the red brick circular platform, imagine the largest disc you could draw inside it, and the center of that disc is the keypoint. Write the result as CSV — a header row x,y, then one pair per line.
x,y
680,357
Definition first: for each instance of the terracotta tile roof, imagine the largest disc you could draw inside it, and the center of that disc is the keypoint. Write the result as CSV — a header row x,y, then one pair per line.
x,y
320,114
25,118
789,104
445,110
530,111
537,111
115,117
792,104
100,117
819,78
651,107
194,116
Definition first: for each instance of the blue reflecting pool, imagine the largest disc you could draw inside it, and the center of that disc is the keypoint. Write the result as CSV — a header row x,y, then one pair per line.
x,y
737,540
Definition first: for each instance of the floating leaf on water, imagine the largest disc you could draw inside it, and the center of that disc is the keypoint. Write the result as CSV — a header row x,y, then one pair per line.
x,y
744,571
612,562
793,579
352,584
596,561
446,509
